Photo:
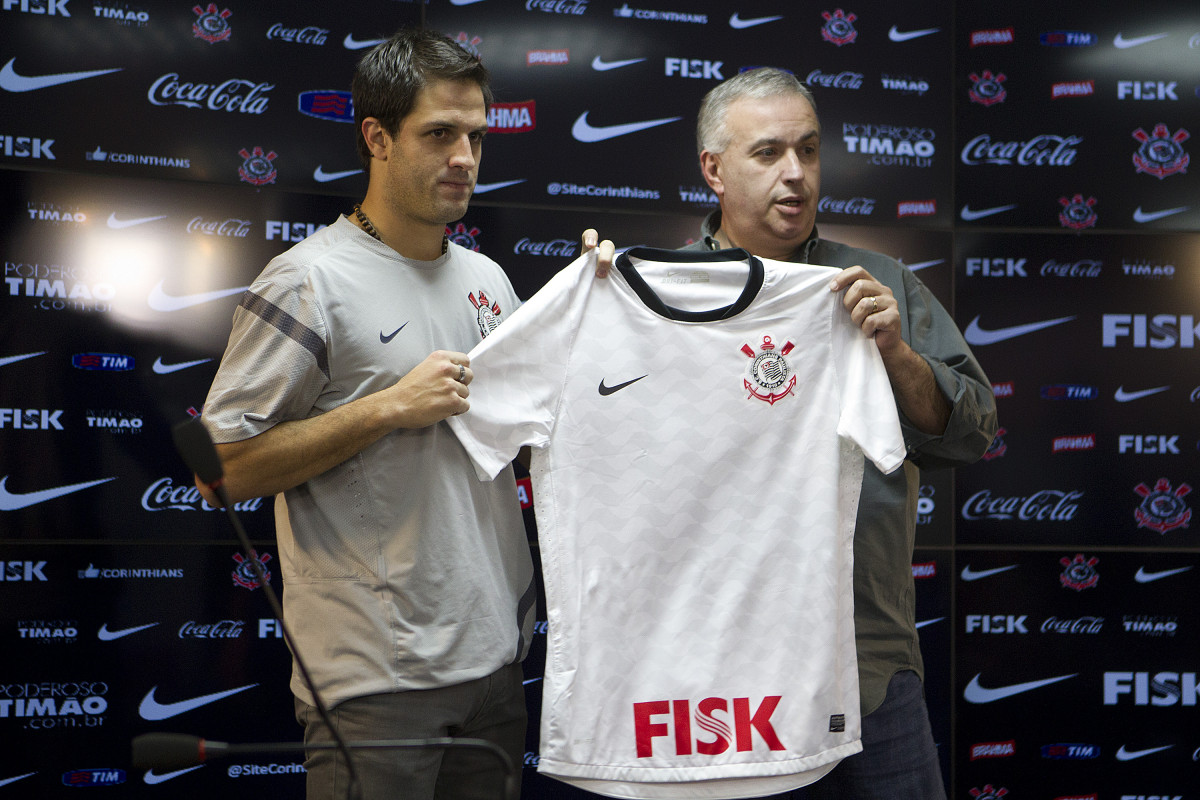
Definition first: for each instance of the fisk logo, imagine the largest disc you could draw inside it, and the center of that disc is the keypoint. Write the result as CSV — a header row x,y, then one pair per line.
x,y
996,623
1158,332
694,68
1159,689
1147,90
996,267
291,231
678,720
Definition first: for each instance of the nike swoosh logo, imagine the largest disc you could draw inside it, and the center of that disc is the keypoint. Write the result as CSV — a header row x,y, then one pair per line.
x,y
7,781
1147,577
925,622
600,65
13,501
584,132
392,335
350,43
1150,216
105,635
1123,396
14,359
924,264
970,215
738,23
529,681
1130,755
161,301
113,222
969,574
974,693
13,82
904,36
321,176
152,710
605,391
482,188
1124,44
152,777
166,369
978,336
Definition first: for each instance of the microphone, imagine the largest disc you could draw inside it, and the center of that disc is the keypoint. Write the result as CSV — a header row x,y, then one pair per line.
x,y
172,751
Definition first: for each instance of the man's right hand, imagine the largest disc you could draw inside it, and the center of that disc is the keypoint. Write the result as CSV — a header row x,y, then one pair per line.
x,y
433,390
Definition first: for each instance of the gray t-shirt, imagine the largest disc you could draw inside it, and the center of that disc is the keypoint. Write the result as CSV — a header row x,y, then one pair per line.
x,y
401,570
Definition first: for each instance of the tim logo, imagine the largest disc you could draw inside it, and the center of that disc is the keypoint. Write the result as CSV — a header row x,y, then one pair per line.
x,y
674,720
93,777
212,25
839,27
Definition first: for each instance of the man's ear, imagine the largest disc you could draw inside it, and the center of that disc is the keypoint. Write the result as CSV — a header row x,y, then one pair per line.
x,y
376,137
710,167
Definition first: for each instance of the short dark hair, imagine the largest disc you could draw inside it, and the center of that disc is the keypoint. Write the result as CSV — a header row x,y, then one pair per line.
x,y
712,128
389,77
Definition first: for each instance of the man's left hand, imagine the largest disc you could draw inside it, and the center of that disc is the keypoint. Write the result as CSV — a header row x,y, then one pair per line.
x,y
872,306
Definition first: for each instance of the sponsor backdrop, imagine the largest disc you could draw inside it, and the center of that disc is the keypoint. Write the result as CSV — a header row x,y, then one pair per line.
x,y
1030,163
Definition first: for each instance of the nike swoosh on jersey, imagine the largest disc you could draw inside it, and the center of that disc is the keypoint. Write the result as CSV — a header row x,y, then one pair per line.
x,y
13,501
1143,576
390,336
600,65
969,215
1124,44
1151,216
605,391
350,43
482,188
969,574
105,635
114,222
11,81
14,359
978,336
584,132
1122,396
903,36
151,709
738,23
7,781
152,777
166,369
974,693
1129,755
321,176
161,301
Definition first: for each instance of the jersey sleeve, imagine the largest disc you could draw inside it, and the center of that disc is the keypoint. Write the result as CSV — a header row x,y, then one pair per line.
x,y
868,408
275,364
520,371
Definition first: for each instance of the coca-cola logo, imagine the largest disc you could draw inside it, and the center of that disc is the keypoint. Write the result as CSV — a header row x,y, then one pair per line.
x,y
232,227
1047,505
224,629
838,80
564,248
236,94
1087,625
308,35
859,206
1046,150
164,494
1084,268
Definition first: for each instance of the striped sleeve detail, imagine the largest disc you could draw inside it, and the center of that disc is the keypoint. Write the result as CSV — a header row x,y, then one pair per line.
x,y
289,326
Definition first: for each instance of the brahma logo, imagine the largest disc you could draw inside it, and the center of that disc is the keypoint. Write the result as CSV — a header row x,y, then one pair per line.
x,y
994,36
994,749
512,117
1004,389
1065,444
679,719
554,58
926,570
1072,89
916,208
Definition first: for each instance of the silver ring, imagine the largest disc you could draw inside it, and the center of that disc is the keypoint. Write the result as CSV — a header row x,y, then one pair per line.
x,y
874,304
462,373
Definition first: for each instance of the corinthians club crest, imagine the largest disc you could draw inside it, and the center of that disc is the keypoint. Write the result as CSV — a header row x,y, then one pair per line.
x,y
1162,509
768,376
488,316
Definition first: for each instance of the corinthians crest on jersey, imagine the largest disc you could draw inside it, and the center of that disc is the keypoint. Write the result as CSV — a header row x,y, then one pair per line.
x,y
768,376
488,316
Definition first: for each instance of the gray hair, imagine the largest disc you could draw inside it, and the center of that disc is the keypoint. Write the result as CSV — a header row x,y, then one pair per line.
x,y
712,129
389,77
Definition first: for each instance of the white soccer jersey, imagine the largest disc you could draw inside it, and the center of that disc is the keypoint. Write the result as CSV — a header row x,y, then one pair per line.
x,y
698,423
